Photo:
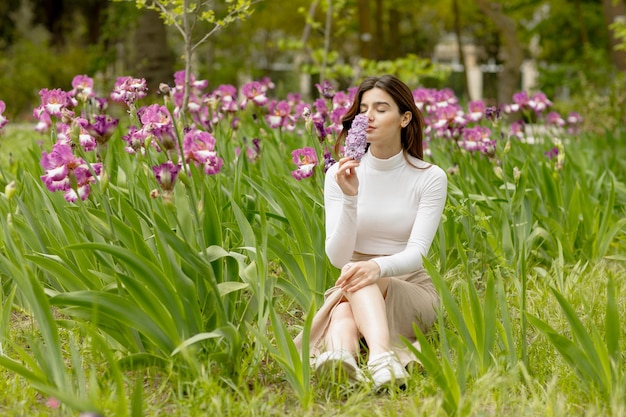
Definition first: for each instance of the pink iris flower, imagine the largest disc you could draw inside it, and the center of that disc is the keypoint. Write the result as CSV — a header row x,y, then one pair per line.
x,y
254,92
423,98
554,118
279,115
61,165
84,178
54,101
539,102
199,147
157,120
518,129
3,120
129,90
448,116
135,140
306,160
226,95
476,110
294,99
574,120
478,138
179,80
82,87
44,122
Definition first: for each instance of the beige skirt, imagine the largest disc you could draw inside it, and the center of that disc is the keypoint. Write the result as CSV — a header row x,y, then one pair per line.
x,y
411,299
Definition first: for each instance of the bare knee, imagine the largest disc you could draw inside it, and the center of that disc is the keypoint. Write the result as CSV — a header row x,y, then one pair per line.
x,y
342,330
342,323
342,315
369,293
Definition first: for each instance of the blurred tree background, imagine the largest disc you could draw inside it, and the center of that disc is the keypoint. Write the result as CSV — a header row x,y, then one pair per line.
x,y
44,43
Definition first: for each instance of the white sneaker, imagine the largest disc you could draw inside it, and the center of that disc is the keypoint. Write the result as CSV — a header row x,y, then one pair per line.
x,y
386,370
337,364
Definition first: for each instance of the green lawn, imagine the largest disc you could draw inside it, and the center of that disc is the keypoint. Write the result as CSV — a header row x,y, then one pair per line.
x,y
16,141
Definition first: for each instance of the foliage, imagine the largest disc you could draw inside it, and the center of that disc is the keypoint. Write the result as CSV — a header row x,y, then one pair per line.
x,y
415,70
619,27
27,65
184,14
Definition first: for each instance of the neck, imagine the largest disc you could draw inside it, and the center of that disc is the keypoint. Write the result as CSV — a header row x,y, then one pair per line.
x,y
385,152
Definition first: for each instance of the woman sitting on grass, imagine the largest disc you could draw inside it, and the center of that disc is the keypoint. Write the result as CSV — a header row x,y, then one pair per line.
x,y
382,213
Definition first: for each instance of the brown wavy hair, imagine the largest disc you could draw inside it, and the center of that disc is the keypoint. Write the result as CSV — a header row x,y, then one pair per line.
x,y
411,135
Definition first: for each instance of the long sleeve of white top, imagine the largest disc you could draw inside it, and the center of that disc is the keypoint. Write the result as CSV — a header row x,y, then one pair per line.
x,y
395,214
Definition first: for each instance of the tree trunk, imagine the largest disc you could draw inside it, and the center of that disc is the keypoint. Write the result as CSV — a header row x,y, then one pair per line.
x,y
459,44
304,54
50,14
612,10
365,30
327,33
93,11
584,39
379,29
153,60
395,49
508,78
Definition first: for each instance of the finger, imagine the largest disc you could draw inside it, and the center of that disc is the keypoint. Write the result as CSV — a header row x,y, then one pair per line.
x,y
346,274
356,284
346,170
353,287
346,159
349,163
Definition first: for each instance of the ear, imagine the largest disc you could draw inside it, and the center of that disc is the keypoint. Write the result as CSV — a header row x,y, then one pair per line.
x,y
406,119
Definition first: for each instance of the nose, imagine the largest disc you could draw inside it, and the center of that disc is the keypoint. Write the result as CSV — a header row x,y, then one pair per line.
x,y
370,114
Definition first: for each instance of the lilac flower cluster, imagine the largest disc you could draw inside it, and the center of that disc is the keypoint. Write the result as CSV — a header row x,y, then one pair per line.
x,y
356,140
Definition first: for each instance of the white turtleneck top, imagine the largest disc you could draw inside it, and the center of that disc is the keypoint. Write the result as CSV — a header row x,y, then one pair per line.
x,y
395,214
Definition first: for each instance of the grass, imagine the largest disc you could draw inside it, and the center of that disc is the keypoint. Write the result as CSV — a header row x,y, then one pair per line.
x,y
547,387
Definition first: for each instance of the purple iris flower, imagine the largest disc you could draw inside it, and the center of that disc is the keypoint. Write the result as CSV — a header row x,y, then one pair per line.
x,y
326,89
166,175
101,128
